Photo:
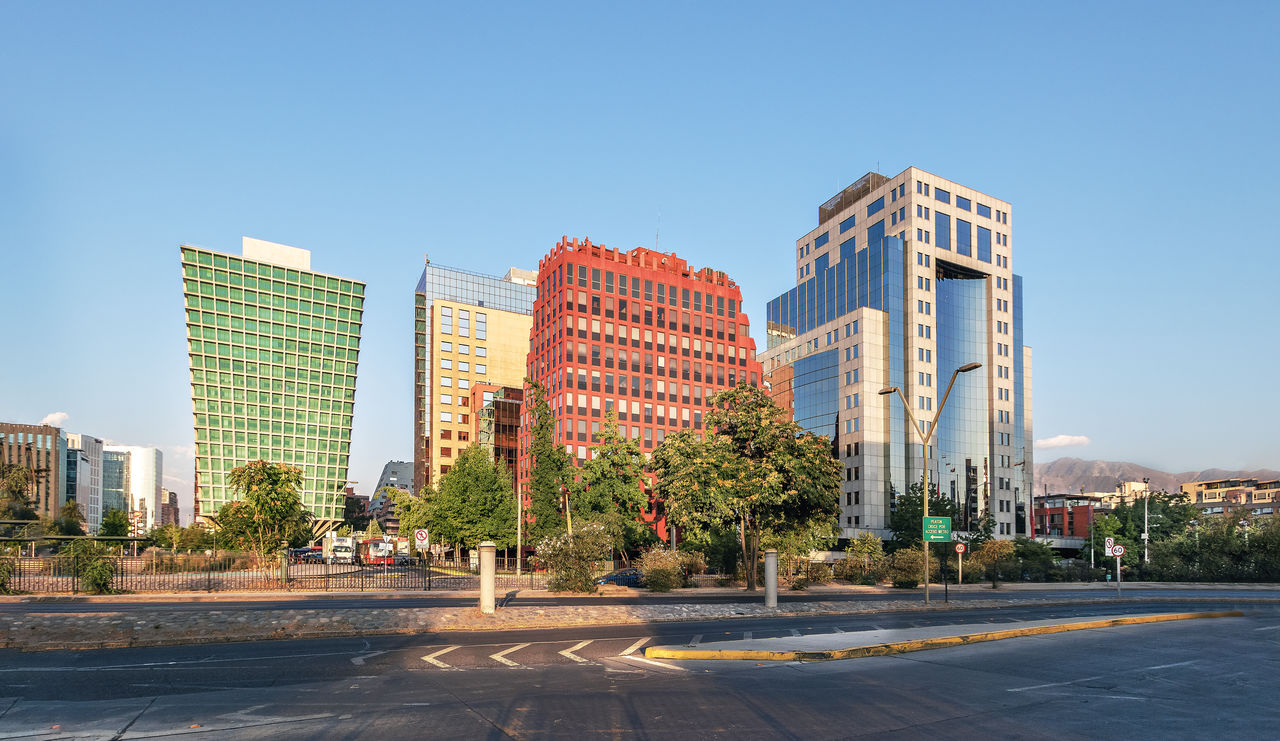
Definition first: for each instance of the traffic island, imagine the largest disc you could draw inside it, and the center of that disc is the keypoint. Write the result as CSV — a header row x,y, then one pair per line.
x,y
836,646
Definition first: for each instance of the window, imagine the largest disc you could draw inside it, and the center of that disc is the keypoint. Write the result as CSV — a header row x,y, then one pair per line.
x,y
984,244
446,398
984,211
464,349
446,320
446,363
963,203
446,347
875,206
481,368
848,224
821,239
446,416
964,238
941,195
942,230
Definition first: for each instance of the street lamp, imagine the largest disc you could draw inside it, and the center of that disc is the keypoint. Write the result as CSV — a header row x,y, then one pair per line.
x,y
1244,526
1146,538
924,439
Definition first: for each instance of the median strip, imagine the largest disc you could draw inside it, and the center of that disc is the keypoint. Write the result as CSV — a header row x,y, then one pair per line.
x,y
920,644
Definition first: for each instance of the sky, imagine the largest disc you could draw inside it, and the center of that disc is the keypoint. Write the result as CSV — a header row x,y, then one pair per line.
x,y
1125,135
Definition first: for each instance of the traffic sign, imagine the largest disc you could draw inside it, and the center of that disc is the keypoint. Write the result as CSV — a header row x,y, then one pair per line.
x,y
1117,551
959,547
1108,545
420,537
937,529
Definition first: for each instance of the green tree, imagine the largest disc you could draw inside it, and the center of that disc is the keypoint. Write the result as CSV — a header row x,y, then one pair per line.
x,y
167,536
609,489
70,520
355,513
269,509
15,486
473,503
754,472
115,524
344,530
374,530
1037,559
551,472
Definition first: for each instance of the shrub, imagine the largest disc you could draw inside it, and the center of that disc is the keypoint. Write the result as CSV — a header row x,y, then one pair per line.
x,y
692,563
572,561
6,575
93,563
905,567
662,570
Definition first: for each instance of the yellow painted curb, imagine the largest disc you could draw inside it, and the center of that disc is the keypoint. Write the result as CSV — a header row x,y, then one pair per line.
x,y
922,644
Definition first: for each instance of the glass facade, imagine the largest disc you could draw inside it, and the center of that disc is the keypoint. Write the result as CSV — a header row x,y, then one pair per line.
x,y
1023,474
816,388
837,290
273,353
115,480
963,436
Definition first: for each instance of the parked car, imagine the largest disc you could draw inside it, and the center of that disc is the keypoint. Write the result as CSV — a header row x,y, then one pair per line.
x,y
404,559
304,555
629,577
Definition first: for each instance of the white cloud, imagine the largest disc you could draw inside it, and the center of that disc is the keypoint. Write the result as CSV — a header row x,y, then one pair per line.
x,y
1063,441
55,420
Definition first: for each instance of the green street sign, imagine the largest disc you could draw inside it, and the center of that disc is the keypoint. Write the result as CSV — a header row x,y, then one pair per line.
x,y
937,529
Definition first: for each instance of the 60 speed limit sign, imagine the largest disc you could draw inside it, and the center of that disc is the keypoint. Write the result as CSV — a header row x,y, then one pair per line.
x,y
1117,551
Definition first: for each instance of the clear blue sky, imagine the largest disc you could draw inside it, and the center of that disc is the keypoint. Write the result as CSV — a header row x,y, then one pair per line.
x,y
1135,140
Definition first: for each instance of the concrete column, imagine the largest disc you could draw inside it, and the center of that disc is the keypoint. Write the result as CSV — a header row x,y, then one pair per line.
x,y
488,571
771,578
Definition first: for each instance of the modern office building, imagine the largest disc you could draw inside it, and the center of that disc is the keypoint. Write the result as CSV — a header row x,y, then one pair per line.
x,y
497,423
169,512
41,449
273,348
84,477
468,328
638,333
115,480
395,475
904,280
143,474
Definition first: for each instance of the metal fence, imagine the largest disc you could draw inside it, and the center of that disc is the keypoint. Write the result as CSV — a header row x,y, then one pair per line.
x,y
242,573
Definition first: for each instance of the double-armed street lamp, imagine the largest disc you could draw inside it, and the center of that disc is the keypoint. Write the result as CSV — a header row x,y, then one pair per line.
x,y
925,435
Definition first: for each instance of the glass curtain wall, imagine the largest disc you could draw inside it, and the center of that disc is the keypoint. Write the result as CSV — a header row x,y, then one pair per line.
x,y
963,446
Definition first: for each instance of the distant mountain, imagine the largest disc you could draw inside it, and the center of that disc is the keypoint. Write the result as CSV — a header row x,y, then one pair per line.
x,y
1069,474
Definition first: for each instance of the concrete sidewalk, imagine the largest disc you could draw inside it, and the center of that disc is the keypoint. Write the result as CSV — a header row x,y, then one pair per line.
x,y
847,645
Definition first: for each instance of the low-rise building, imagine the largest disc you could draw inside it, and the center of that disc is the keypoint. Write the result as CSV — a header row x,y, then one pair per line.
x,y
1219,496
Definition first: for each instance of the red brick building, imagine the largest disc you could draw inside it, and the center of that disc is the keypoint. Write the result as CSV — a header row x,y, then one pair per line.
x,y
639,333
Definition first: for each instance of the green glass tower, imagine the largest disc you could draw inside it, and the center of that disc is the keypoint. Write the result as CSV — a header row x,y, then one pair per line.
x,y
273,349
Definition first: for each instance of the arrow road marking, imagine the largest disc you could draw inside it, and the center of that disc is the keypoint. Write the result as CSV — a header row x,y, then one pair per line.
x,y
568,653
431,658
632,648
359,660
501,656
695,640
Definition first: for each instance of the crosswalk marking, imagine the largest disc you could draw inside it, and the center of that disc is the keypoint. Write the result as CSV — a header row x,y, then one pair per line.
x,y
501,656
794,632
568,653
695,640
632,648
431,658
746,635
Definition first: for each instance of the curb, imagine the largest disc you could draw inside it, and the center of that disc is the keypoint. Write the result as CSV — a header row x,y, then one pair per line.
x,y
924,644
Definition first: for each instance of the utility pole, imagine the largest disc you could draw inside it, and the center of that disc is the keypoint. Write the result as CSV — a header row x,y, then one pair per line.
x,y
1146,537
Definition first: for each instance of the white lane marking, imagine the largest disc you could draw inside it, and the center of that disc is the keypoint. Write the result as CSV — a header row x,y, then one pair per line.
x,y
794,632
837,630
168,663
1269,627
1053,684
632,648
656,663
359,660
1089,679
431,658
695,640
746,635
501,656
568,653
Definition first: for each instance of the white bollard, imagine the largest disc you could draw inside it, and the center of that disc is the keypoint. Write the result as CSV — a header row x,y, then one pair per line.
x,y
771,578
488,571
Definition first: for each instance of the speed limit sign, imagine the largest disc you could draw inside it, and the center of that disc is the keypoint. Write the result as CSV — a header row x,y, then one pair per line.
x,y
959,547
1117,551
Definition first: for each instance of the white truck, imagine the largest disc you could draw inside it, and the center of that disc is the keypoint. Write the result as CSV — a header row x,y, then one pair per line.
x,y
339,549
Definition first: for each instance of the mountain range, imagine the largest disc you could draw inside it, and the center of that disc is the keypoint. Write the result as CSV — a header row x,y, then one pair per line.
x,y
1069,474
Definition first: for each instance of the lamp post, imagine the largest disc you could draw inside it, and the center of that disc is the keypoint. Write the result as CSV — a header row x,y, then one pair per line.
x,y
924,439
1244,527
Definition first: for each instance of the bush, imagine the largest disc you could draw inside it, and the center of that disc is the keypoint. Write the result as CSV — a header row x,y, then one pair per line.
x,y
906,583
692,563
662,570
906,566
572,561
93,563
6,574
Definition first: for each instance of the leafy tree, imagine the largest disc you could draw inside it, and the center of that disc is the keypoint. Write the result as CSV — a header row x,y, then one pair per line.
x,y
573,561
1037,559
269,509
70,520
609,489
15,486
755,472
167,536
994,555
354,513
551,470
374,530
473,503
115,524
344,530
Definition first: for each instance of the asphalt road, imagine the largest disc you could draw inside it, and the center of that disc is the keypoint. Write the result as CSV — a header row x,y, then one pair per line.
x,y
1177,680
410,600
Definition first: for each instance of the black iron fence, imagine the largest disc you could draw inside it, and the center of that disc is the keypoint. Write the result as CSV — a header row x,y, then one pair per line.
x,y
153,572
